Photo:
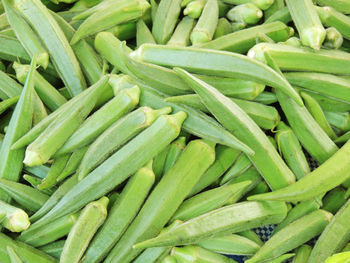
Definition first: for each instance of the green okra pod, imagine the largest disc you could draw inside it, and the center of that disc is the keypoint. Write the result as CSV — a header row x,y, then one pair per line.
x,y
339,120
276,5
342,139
307,22
224,27
334,200
124,31
13,256
251,175
324,178
12,50
53,249
245,13
334,38
165,199
56,43
209,200
223,64
5,104
16,220
260,188
293,235
35,181
282,15
342,6
251,235
250,215
72,163
240,166
165,20
225,157
117,168
40,171
205,27
339,257
89,221
197,254
194,9
181,35
50,232
143,34
9,87
262,4
333,238
266,158
302,254
174,151
121,214
21,121
39,112
290,148
47,143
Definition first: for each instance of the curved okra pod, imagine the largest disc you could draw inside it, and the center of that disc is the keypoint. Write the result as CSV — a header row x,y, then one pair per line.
x,y
209,200
28,197
324,178
93,126
334,38
223,64
165,199
117,168
302,254
224,158
290,148
205,28
50,232
116,135
16,220
9,88
56,43
224,27
181,35
89,221
197,254
266,98
238,217
293,235
333,238
121,214
334,200
11,162
47,143
245,13
53,249
266,158
174,151
307,22
143,34
5,104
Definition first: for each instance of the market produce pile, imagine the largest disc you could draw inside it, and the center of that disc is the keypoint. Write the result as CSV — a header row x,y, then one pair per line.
x,y
169,131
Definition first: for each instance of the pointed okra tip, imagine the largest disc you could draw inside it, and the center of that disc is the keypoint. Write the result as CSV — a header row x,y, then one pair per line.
x,y
177,119
43,60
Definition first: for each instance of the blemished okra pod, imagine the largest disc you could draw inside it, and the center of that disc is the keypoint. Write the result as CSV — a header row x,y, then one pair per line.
x,y
224,27
13,255
174,151
20,123
290,58
72,163
324,178
16,220
342,6
238,217
50,232
143,34
47,143
197,254
205,27
121,214
209,200
310,134
28,197
339,120
5,104
230,245
223,64
333,238
293,235
300,210
181,35
290,148
53,249
26,35
334,200
116,135
165,199
266,117
56,43
266,158
165,20
241,165
307,22
93,126
302,254
334,38
89,221
245,13
224,158
117,168
197,123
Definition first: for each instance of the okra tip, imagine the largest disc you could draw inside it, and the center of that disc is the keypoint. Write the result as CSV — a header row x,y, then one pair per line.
x,y
177,119
43,60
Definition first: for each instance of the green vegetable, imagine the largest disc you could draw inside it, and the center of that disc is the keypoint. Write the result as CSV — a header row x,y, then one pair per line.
x,y
245,13
224,27
181,35
334,38
340,5
5,104
302,254
334,200
198,254
240,166
194,9
174,151
53,249
13,256
16,220
72,163
143,34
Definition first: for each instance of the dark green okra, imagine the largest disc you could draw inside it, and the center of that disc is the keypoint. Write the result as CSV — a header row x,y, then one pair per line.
x,y
334,200
53,249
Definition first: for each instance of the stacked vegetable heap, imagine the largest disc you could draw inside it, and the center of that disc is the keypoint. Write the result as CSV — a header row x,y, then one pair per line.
x,y
176,144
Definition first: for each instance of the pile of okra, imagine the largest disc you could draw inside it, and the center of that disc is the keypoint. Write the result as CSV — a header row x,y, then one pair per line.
x,y
169,131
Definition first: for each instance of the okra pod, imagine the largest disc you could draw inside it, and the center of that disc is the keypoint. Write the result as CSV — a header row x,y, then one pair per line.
x,y
250,234
282,15
164,199
20,123
245,13
205,27
282,258
334,38
274,7
143,34
293,235
197,254
53,249
9,87
302,254
124,31
16,220
238,217
251,175
7,103
224,27
121,214
181,35
89,221
266,158
50,232
223,64
174,151
334,200
342,139
240,166
56,43
12,50
342,6
307,22
339,257
194,9
13,256
260,188
339,120
35,181
262,4
333,238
